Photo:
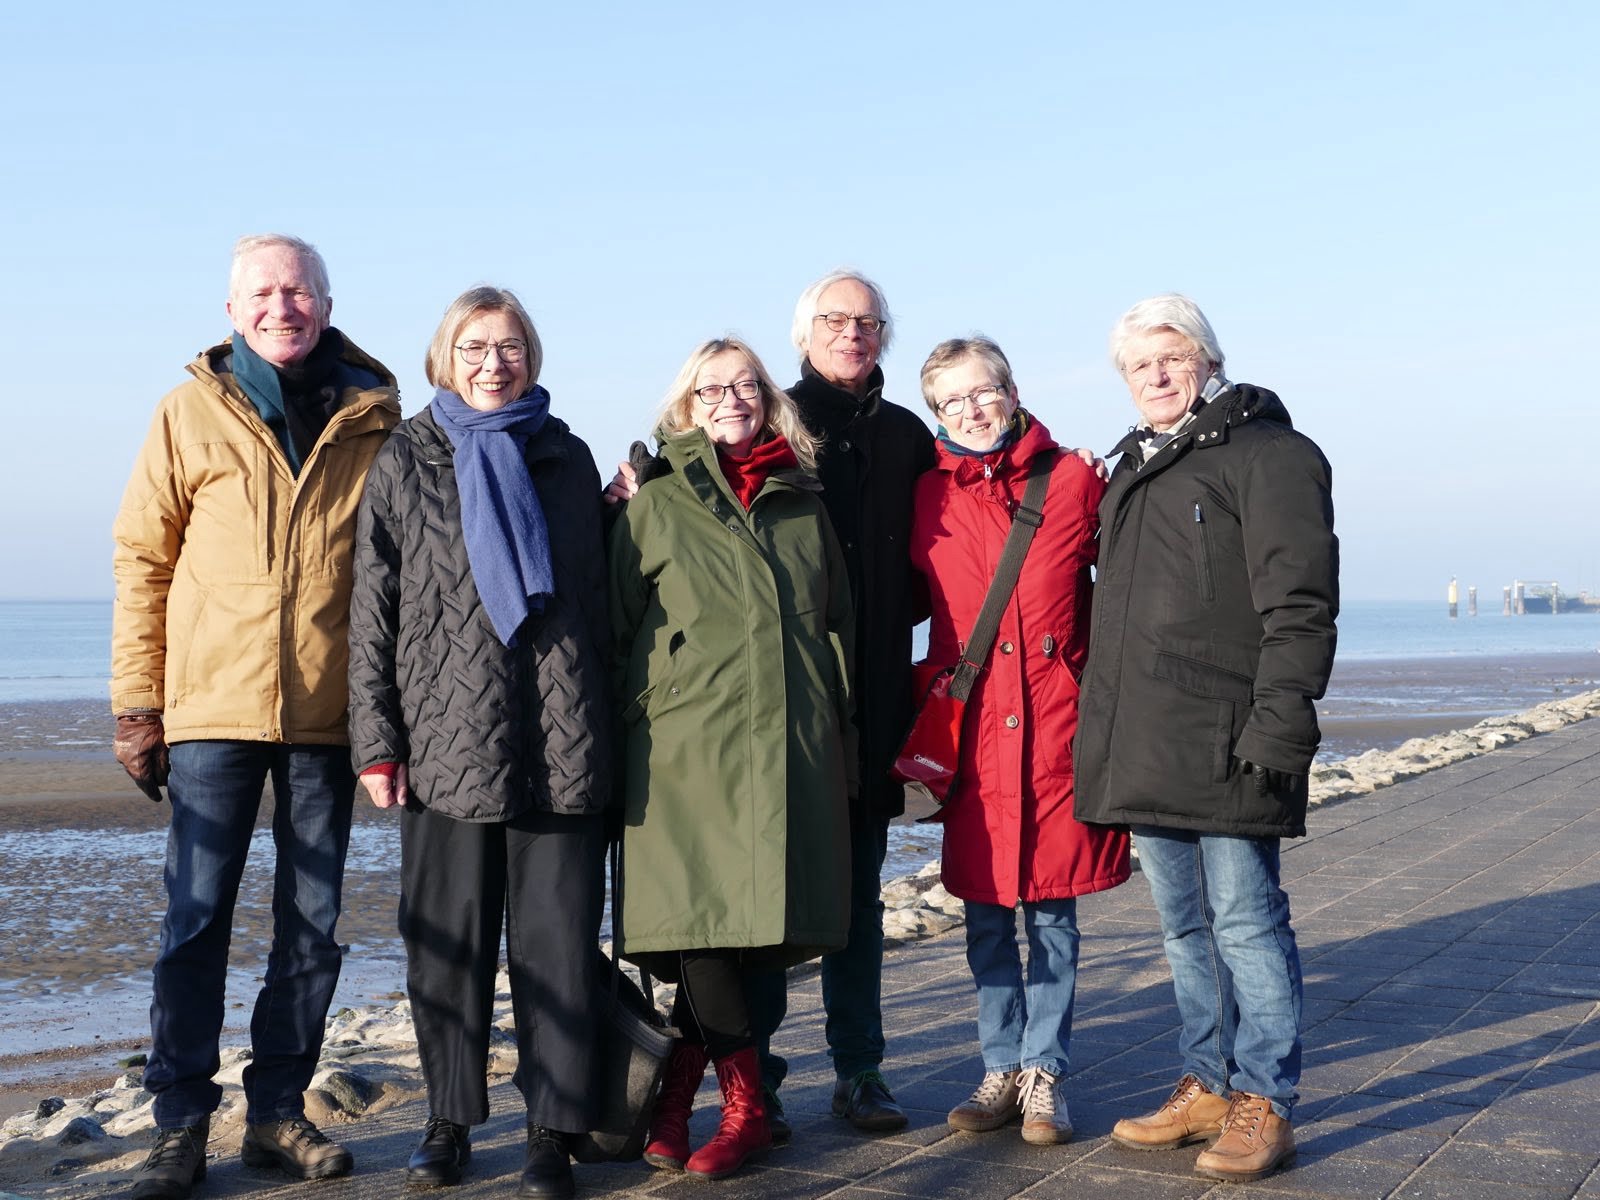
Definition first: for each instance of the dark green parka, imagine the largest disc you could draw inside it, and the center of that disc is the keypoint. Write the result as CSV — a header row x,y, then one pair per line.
x,y
731,634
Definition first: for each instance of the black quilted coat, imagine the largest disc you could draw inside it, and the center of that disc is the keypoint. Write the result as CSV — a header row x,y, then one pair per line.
x,y
487,731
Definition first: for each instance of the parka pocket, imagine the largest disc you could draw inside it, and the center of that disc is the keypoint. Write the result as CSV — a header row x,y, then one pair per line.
x,y
1230,694
659,681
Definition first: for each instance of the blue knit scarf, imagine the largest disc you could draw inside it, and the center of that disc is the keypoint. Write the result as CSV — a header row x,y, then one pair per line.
x,y
502,522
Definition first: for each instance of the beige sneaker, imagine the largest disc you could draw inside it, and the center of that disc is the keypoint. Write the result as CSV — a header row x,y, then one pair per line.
x,y
296,1147
1193,1113
994,1103
1045,1121
1255,1141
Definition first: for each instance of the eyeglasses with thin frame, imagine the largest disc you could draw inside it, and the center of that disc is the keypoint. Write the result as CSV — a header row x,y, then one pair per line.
x,y
744,389
510,351
838,321
1165,363
978,398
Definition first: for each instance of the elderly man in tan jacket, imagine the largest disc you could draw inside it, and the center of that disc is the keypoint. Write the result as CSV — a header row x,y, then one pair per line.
x,y
233,567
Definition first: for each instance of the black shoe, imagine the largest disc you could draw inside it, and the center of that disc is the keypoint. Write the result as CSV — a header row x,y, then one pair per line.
x,y
176,1163
444,1153
548,1171
777,1123
865,1101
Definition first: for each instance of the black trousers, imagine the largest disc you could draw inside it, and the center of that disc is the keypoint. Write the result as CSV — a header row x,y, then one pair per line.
x,y
711,1007
541,878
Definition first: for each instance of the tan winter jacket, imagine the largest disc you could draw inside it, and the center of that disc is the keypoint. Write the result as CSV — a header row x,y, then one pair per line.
x,y
233,576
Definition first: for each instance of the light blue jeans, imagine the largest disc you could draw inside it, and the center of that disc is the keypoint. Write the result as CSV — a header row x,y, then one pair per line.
x,y
1235,965
1024,1024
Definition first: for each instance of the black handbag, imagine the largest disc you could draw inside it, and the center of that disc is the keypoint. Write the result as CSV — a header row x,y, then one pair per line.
x,y
633,1044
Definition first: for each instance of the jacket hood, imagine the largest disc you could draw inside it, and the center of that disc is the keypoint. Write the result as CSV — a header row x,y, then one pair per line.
x,y
377,387
679,449
1014,457
1240,404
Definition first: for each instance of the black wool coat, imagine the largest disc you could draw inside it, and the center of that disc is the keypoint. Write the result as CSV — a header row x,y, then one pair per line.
x,y
872,453
488,731
1213,629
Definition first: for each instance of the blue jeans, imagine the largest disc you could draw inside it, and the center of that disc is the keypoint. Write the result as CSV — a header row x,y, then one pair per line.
x,y
215,789
1235,965
1024,1024
852,978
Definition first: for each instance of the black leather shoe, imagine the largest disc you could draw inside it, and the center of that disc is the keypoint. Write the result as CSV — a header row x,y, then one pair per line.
x,y
865,1101
777,1123
548,1171
444,1153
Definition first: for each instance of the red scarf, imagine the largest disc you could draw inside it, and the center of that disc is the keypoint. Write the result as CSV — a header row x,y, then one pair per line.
x,y
746,476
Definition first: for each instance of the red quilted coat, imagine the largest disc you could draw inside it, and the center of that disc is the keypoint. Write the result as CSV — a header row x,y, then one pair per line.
x,y
1009,832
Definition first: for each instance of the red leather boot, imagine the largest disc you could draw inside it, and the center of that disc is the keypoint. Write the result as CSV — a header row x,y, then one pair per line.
x,y
668,1147
744,1133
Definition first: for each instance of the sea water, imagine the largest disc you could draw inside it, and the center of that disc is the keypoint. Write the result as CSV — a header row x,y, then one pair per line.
x,y
61,650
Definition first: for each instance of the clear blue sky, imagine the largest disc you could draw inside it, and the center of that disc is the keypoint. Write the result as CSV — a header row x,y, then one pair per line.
x,y
1388,210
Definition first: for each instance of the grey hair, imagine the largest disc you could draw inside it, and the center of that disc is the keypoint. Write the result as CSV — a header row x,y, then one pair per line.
x,y
956,351
805,309
439,363
1171,311
302,249
778,412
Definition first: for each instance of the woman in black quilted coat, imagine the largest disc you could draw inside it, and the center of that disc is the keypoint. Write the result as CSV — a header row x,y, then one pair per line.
x,y
479,706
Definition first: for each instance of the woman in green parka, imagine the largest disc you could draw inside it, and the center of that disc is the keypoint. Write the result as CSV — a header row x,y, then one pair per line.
x,y
731,612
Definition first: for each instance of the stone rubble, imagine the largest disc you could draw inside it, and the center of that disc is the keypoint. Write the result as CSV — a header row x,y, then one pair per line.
x,y
370,1060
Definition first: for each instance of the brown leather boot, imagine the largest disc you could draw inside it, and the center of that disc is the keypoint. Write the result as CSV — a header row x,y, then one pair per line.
x,y
1193,1113
668,1147
743,1134
1255,1141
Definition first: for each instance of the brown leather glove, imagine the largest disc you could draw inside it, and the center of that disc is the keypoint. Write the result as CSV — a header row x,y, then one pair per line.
x,y
141,747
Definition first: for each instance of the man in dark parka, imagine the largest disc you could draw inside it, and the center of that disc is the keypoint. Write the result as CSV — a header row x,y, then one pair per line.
x,y
1212,637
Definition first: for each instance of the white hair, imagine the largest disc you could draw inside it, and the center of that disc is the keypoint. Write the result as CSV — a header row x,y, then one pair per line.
x,y
805,309
1171,311
303,250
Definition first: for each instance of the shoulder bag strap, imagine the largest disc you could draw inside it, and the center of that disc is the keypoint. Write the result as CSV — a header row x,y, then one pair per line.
x,y
1027,518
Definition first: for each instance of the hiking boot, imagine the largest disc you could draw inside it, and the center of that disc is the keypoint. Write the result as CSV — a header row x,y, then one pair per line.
x,y
176,1163
1193,1113
991,1106
1255,1141
547,1171
866,1102
1045,1121
296,1147
444,1153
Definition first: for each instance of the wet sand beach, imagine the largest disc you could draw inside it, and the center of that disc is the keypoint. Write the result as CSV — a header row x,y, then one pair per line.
x,y
81,853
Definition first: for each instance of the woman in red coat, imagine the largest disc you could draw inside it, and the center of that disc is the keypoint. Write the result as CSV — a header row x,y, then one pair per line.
x,y
1010,837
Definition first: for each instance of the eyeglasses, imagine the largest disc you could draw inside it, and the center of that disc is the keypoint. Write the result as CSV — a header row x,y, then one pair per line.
x,y
510,351
983,396
1165,363
837,321
744,389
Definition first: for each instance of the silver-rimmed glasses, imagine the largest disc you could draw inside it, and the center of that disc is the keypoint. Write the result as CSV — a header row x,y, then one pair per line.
x,y
955,406
509,351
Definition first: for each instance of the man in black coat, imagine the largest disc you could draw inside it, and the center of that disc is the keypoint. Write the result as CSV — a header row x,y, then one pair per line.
x,y
871,454
1213,636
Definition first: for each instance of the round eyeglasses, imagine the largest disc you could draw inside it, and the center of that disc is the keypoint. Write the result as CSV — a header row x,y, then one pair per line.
x,y
509,351
838,321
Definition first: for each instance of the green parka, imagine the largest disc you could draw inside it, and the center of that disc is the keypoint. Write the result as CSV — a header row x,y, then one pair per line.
x,y
731,638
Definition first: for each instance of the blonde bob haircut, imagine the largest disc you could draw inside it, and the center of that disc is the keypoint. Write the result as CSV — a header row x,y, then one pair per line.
x,y
440,362
956,351
1172,311
779,415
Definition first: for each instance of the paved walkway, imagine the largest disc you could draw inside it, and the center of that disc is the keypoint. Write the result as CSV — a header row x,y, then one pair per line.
x,y
1449,931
